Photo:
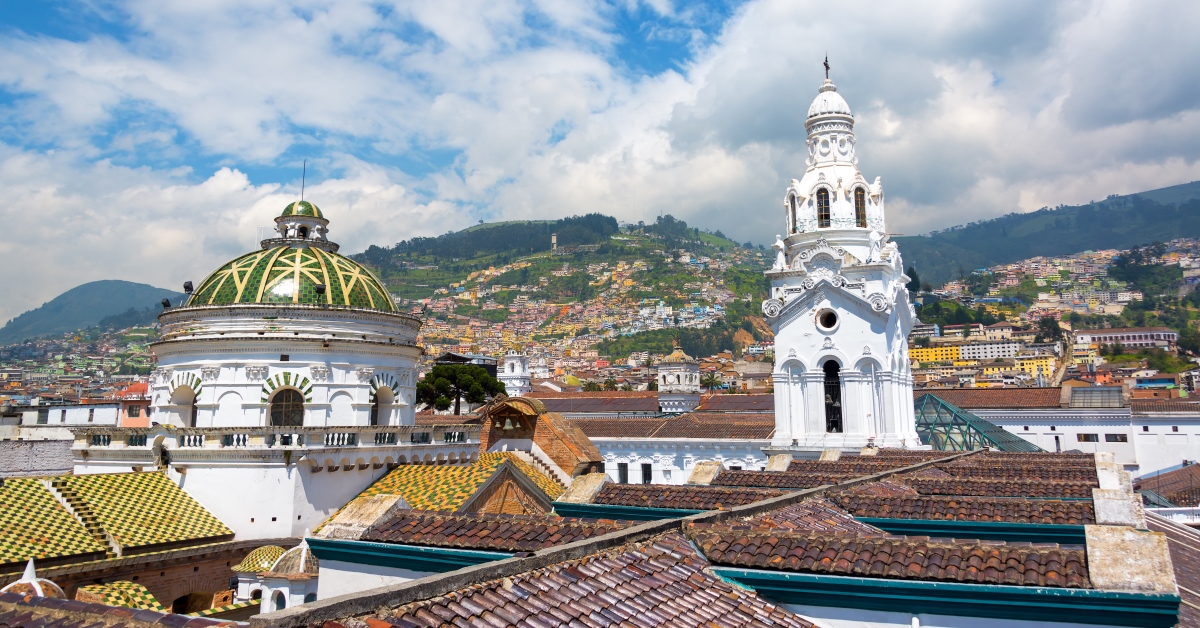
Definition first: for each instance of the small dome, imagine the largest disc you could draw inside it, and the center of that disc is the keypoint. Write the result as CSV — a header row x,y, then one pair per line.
x,y
260,559
30,584
298,560
678,357
302,208
828,101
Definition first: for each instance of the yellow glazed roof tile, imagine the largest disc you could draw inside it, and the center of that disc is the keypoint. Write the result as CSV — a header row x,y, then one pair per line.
x,y
140,509
34,525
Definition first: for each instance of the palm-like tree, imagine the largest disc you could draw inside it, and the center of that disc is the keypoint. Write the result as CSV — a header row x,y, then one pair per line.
x,y
710,380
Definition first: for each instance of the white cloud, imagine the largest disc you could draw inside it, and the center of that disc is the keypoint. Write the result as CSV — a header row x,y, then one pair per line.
x,y
966,110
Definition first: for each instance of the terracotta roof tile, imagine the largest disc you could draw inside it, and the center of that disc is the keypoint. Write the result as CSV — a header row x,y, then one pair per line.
x,y
780,479
594,394
1148,407
971,398
684,497
813,515
690,425
600,404
660,582
910,558
885,488
1181,486
940,508
999,488
1184,545
738,403
508,533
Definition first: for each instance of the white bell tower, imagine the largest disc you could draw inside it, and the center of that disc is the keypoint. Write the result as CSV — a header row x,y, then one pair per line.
x,y
838,307
514,374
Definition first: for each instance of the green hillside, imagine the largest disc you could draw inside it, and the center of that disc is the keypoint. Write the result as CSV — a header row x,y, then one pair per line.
x,y
88,305
1117,222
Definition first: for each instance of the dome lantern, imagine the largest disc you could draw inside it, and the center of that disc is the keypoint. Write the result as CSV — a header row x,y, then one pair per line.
x,y
302,224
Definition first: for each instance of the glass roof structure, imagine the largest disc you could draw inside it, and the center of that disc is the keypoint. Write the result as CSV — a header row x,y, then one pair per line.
x,y
950,428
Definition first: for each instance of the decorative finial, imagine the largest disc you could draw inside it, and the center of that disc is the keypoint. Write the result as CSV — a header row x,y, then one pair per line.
x,y
30,573
827,66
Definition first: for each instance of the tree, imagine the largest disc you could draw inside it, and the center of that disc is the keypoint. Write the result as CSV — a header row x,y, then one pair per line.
x,y
653,385
710,380
592,387
1048,330
451,383
610,384
914,281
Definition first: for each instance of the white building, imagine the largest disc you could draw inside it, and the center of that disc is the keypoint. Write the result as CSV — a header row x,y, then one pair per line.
x,y
838,307
989,350
678,382
287,377
514,374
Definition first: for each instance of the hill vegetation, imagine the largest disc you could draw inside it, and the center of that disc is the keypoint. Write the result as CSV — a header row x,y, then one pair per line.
x,y
1116,222
110,301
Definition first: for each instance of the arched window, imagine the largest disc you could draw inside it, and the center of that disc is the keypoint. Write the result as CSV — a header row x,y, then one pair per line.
x,y
792,204
280,601
860,207
310,597
302,232
287,408
833,397
823,208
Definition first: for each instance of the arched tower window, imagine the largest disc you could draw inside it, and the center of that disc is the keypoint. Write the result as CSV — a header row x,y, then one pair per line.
x,y
792,207
833,397
860,207
280,601
302,232
823,208
287,408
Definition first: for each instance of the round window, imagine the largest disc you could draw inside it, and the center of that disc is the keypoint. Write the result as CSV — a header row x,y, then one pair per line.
x,y
827,319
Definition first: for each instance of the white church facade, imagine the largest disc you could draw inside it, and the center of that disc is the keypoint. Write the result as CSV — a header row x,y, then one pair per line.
x,y
838,303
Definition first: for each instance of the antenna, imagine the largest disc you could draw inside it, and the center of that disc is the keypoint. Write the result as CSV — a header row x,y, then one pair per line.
x,y
303,176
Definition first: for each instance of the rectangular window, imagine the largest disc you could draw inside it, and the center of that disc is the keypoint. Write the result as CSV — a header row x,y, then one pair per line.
x,y
135,411
285,358
647,474
1116,438
91,414
1174,428
823,208
1088,438
622,473
1145,428
43,416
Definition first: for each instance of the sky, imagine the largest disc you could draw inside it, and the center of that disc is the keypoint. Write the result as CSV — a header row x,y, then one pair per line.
x,y
148,140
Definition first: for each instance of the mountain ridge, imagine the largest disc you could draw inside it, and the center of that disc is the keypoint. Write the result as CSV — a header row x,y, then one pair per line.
x,y
85,305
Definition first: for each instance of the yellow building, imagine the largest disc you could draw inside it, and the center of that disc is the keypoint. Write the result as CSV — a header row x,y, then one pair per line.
x,y
1031,363
933,354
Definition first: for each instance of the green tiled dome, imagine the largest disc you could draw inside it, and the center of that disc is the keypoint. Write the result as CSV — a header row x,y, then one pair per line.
x,y
302,208
284,274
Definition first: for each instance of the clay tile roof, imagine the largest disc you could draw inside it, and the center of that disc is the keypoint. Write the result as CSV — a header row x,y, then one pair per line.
x,y
1150,407
909,558
778,479
25,611
683,497
885,488
507,533
813,515
971,398
1182,542
659,582
1181,486
690,425
601,402
738,403
941,508
860,466
999,488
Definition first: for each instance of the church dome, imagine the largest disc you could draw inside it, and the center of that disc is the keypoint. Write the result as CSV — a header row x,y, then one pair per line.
x,y
30,584
260,559
828,101
296,561
678,357
302,208
298,269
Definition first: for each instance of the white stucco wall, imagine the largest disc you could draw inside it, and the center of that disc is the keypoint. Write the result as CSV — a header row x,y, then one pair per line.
x,y
340,578
672,460
832,617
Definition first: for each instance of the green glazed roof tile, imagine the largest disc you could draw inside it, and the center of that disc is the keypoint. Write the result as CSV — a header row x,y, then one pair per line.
x,y
140,509
34,525
125,593
284,274
302,208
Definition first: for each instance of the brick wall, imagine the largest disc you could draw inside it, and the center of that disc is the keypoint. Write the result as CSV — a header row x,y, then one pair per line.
x,y
506,497
35,457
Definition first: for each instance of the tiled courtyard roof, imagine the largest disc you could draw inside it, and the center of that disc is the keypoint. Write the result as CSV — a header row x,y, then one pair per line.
x,y
998,398
17,611
121,593
660,582
998,488
143,509
915,558
34,525
446,487
683,497
813,515
968,509
508,533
